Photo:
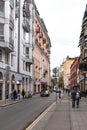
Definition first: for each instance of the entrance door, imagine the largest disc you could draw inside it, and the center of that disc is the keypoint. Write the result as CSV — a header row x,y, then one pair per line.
x,y
0,91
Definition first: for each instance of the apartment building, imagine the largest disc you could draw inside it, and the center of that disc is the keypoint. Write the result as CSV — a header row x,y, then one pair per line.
x,y
16,46
67,64
74,73
83,53
42,47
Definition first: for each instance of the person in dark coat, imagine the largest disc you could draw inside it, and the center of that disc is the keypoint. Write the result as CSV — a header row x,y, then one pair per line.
x,y
23,93
14,95
73,96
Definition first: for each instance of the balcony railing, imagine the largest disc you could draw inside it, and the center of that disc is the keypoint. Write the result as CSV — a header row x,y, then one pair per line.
x,y
29,60
26,12
7,45
11,43
1,37
11,20
12,3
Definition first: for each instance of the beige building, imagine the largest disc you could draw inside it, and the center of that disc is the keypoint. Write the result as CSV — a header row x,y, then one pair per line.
x,y
66,73
41,55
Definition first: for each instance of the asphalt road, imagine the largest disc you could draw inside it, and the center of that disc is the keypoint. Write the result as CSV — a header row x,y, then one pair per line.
x,y
20,115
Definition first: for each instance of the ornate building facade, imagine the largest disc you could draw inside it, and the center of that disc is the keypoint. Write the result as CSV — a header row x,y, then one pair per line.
x,y
41,55
16,46
83,53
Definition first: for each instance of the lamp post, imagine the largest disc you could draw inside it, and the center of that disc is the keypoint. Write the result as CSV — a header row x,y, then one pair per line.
x,y
55,71
6,79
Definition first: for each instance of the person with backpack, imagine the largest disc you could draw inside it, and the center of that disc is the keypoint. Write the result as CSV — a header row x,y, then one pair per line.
x,y
78,97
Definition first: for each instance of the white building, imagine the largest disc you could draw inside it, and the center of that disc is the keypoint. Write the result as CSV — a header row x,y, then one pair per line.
x,y
16,46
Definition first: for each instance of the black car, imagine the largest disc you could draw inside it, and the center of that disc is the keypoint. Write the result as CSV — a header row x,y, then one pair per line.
x,y
44,93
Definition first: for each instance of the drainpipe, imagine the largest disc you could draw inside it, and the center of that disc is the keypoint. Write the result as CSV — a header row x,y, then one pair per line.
x,y
18,39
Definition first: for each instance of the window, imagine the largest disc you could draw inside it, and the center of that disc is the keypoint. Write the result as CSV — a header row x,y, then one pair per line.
x,y
23,65
28,67
1,8
27,51
11,11
26,36
23,49
12,59
0,55
6,58
10,33
1,29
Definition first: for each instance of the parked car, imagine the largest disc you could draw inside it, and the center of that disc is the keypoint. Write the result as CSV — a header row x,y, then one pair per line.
x,y
28,94
44,93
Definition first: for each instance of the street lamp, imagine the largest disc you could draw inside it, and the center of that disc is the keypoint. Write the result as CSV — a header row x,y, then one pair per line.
x,y
55,71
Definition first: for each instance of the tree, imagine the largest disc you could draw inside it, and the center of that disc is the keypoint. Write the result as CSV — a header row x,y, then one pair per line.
x,y
61,82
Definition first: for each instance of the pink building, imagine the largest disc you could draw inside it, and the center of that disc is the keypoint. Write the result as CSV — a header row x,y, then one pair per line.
x,y
42,78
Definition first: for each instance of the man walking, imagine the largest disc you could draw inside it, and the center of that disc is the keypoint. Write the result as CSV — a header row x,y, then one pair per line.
x,y
73,96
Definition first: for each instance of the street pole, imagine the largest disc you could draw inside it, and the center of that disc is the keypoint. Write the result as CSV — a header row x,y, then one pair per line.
x,y
18,65
7,72
55,71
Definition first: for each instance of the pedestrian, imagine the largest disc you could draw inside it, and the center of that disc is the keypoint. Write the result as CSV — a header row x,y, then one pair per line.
x,y
18,94
23,93
14,95
78,97
59,93
68,91
73,96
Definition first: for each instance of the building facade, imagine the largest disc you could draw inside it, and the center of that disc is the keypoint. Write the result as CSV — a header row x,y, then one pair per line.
x,y
66,74
42,47
16,46
74,73
83,53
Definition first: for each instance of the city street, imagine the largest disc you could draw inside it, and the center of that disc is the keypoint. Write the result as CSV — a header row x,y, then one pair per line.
x,y
62,116
18,116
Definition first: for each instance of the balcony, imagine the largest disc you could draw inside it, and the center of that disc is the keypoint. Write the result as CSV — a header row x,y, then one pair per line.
x,y
17,3
27,59
9,46
26,25
83,67
12,3
40,35
11,43
37,29
1,38
44,40
11,22
26,12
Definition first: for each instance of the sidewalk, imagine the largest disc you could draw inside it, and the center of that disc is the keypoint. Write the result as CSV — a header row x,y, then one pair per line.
x,y
63,117
8,102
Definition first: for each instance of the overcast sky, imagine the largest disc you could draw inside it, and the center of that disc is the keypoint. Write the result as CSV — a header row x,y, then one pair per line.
x,y
63,19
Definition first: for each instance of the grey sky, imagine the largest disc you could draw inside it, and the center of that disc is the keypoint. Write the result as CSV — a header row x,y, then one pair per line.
x,y
63,19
